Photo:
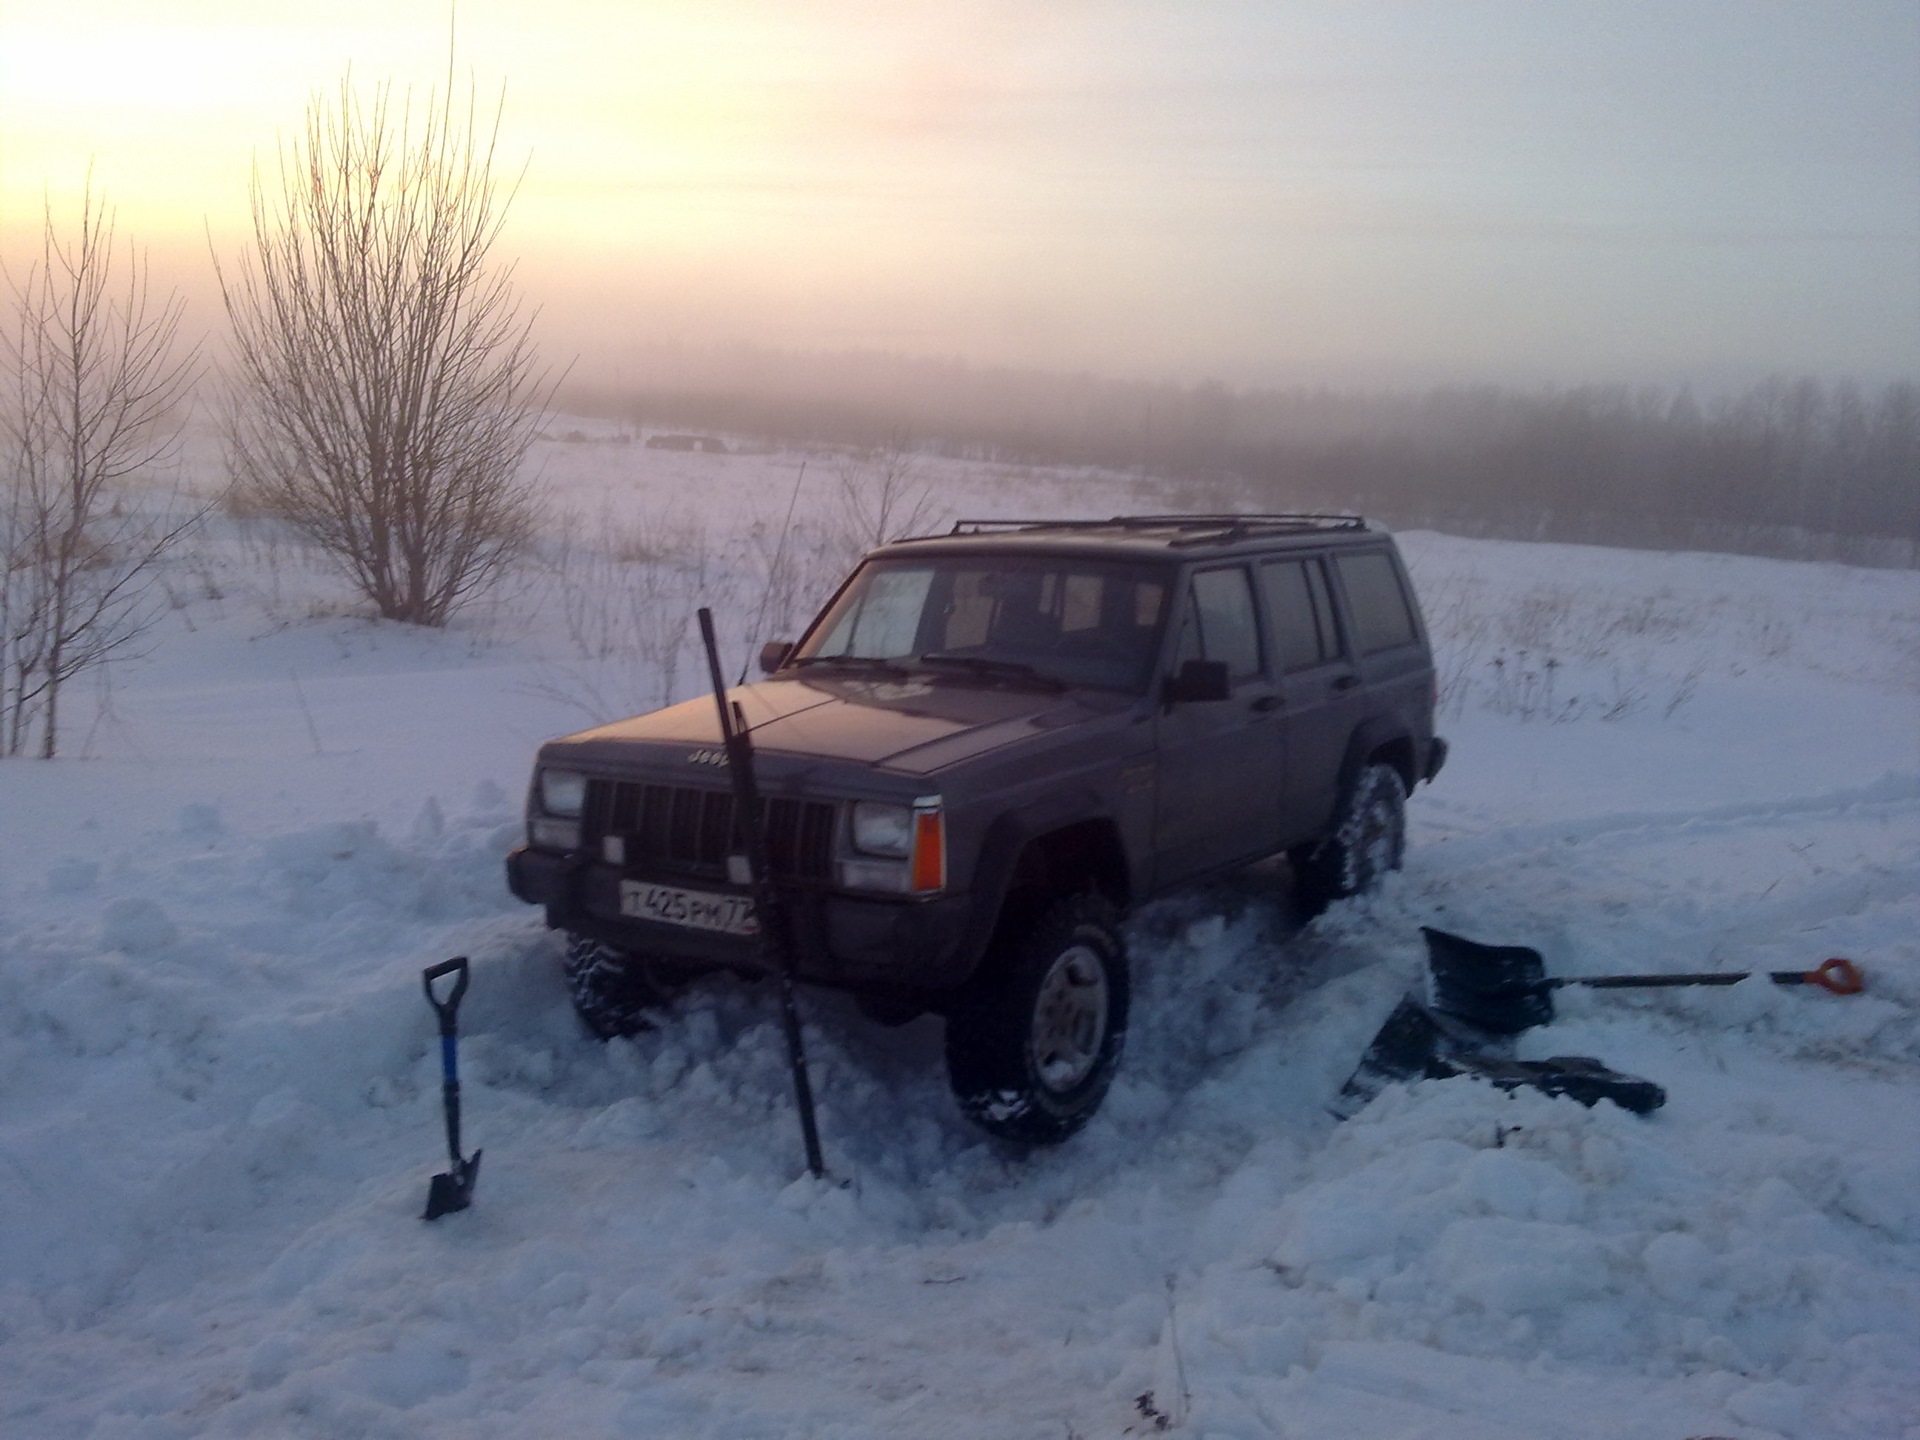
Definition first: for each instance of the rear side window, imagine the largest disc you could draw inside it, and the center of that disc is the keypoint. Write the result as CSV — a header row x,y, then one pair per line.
x,y
1381,616
1221,624
1299,617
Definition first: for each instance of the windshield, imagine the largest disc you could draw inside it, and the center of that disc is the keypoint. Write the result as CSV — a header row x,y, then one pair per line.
x,y
1056,620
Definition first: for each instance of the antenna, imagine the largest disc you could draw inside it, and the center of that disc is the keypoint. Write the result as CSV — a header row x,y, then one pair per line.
x,y
773,570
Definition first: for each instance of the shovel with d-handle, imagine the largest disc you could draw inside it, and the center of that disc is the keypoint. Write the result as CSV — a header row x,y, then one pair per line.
x,y
1504,989
454,1190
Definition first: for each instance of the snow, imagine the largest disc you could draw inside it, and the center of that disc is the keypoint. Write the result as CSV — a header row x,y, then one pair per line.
x,y
219,1091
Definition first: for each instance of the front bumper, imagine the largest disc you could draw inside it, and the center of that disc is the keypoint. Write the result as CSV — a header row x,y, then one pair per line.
x,y
848,941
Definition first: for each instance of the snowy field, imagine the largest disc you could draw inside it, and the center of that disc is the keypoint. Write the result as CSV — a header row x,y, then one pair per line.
x,y
219,1098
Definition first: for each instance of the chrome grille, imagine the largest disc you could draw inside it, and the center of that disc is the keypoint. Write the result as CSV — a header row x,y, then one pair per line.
x,y
687,828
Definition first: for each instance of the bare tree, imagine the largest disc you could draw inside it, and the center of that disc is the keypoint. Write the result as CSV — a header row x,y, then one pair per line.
x,y
94,385
386,384
881,497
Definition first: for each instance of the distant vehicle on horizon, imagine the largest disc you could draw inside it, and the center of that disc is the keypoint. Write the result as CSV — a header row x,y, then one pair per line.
x,y
705,444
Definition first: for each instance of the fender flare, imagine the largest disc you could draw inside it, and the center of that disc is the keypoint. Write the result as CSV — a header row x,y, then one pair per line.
x,y
1001,847
1368,737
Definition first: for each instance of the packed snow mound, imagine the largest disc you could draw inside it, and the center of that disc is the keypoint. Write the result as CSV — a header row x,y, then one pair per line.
x,y
222,1088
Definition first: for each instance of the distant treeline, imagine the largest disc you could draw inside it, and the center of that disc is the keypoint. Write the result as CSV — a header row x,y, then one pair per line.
x,y
1787,467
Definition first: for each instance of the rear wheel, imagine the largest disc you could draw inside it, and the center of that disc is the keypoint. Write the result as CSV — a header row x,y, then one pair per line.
x,y
1032,1048
1368,839
610,989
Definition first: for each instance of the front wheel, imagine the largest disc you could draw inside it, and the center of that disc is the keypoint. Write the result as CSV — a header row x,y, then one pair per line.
x,y
1369,838
610,989
1032,1048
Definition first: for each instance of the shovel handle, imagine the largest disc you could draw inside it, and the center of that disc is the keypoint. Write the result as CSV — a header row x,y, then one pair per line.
x,y
1835,976
448,1008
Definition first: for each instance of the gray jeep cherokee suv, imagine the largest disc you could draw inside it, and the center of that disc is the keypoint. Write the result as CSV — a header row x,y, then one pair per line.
x,y
989,746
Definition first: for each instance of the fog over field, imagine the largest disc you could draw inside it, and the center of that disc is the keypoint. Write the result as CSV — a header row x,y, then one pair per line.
x,y
1641,275
1786,467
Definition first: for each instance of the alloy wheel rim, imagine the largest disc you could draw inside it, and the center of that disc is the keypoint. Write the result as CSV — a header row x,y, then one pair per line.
x,y
1382,839
1069,1019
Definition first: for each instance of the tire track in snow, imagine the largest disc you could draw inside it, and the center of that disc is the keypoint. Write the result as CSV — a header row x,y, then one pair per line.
x,y
1895,794
1597,867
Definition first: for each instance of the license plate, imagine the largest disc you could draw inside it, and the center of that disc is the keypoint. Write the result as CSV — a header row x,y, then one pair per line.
x,y
694,909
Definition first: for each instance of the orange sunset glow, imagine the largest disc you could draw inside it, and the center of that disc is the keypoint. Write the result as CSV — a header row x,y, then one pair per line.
x,y
1385,193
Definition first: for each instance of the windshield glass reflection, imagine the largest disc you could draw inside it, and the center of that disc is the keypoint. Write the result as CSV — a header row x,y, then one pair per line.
x,y
1047,621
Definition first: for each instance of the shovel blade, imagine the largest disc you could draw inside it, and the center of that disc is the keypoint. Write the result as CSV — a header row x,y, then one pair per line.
x,y
1421,1044
1407,1048
1578,1077
1502,989
451,1192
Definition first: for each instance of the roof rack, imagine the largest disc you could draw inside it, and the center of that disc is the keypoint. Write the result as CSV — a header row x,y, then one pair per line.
x,y
1188,529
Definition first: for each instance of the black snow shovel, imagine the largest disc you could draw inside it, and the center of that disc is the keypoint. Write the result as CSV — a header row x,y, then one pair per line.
x,y
1421,1044
1504,989
454,1190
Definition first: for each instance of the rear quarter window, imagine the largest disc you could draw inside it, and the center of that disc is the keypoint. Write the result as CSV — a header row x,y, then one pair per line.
x,y
1299,617
1382,617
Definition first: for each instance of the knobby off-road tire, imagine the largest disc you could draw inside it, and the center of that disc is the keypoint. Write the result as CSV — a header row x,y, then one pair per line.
x,y
1033,1046
610,989
1369,838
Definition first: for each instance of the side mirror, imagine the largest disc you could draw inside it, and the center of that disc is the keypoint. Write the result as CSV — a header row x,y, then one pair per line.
x,y
1198,680
774,654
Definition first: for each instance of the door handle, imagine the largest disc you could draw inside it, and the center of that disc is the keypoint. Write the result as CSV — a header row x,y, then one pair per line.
x,y
1265,703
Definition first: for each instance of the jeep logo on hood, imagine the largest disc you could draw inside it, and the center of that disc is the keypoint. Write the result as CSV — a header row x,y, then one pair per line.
x,y
707,757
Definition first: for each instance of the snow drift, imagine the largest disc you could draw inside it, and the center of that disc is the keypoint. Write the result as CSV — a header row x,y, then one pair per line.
x,y
219,1088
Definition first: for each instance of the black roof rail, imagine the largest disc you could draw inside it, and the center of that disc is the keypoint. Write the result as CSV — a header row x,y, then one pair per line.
x,y
1190,529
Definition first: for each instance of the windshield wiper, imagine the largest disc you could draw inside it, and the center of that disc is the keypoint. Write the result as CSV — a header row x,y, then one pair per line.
x,y
987,668
866,664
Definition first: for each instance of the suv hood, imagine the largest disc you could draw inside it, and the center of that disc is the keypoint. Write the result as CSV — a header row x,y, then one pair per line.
x,y
912,726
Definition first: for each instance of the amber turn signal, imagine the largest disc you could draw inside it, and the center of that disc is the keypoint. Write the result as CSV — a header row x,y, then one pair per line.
x,y
929,849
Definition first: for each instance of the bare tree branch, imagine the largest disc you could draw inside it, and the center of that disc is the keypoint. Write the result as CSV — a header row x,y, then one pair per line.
x,y
881,497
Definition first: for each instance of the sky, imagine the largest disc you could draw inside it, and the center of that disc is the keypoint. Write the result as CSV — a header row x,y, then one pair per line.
x,y
1355,194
